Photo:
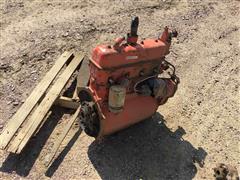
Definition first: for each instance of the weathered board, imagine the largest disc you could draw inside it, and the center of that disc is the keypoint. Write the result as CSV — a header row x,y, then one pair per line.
x,y
82,78
67,102
26,132
19,117
57,144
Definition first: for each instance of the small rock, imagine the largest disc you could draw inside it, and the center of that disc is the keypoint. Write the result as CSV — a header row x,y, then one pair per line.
x,y
79,37
75,6
12,88
22,62
4,66
199,103
9,102
65,34
15,103
21,5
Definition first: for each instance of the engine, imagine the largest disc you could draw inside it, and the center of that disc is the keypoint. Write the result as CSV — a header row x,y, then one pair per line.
x,y
128,81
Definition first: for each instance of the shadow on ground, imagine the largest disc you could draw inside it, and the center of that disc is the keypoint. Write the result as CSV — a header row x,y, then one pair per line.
x,y
148,150
56,163
23,163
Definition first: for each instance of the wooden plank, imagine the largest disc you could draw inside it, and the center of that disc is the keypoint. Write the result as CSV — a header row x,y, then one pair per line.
x,y
66,102
36,118
18,118
57,144
82,77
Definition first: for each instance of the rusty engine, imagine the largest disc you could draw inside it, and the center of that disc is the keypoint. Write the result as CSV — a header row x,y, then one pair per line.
x,y
128,81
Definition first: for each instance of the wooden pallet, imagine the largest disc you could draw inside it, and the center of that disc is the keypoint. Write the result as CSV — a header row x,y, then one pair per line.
x,y
26,121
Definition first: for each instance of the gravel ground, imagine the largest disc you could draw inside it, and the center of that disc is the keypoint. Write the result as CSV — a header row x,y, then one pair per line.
x,y
198,128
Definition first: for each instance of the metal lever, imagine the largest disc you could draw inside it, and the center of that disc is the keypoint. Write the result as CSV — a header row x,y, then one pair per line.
x,y
134,27
132,37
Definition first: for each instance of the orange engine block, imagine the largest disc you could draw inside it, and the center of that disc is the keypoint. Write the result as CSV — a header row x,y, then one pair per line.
x,y
128,81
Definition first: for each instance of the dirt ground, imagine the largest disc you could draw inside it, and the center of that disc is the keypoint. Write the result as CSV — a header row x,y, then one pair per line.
x,y
197,128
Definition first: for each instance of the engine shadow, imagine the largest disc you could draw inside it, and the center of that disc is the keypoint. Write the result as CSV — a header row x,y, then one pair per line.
x,y
148,150
22,163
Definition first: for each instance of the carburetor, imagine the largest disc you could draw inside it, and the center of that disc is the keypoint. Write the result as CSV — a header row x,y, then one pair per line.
x,y
128,81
